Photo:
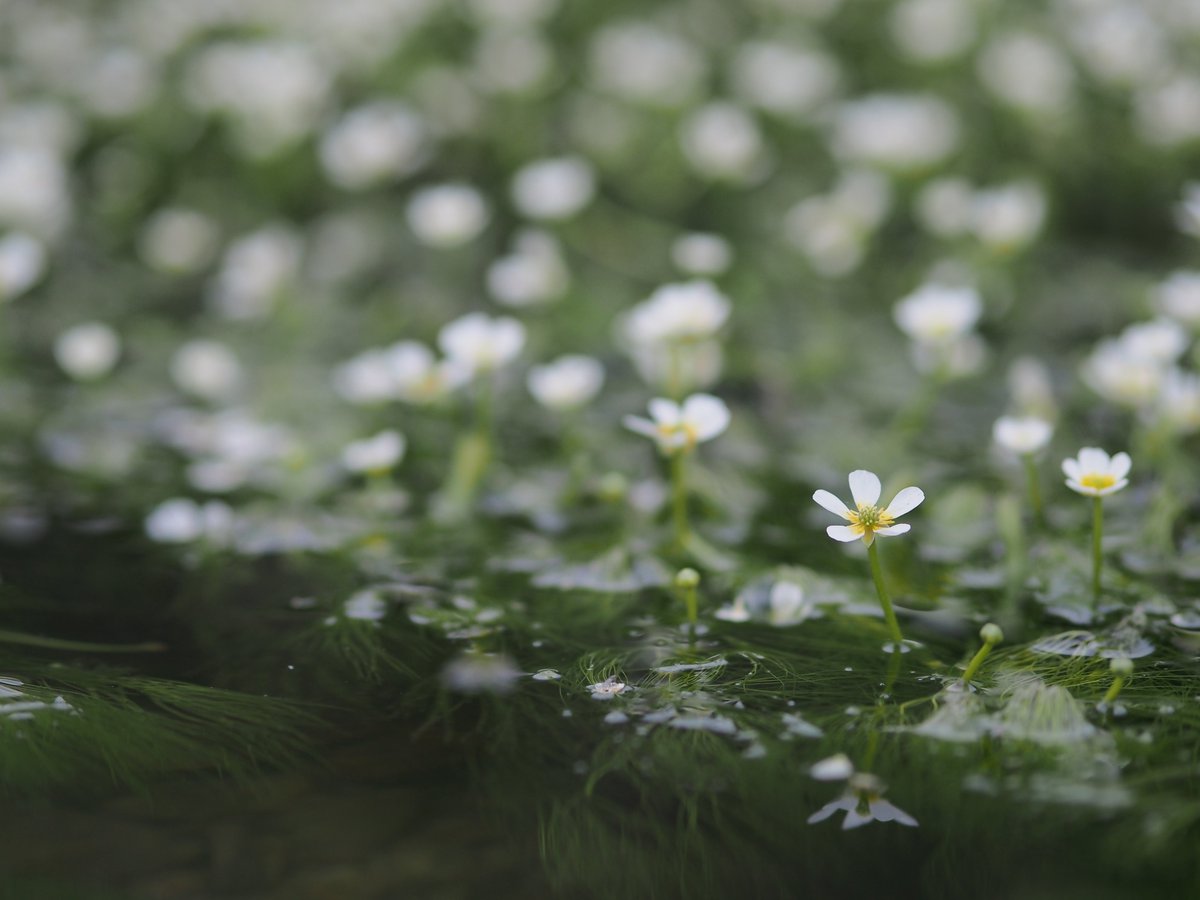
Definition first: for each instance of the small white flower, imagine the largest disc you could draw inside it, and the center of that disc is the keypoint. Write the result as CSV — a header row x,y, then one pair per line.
x,y
1160,341
418,377
723,141
787,604
482,344
567,383
1179,297
533,273
701,254
207,369
376,454
22,264
867,520
88,351
1179,402
553,189
608,688
373,143
688,311
1095,474
833,768
1022,436
183,521
937,314
365,605
256,270
863,803
1008,217
678,428
1121,376
447,215
178,241
896,131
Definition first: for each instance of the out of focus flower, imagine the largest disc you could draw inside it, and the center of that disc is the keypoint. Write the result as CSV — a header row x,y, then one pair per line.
x,y
1022,436
511,60
22,264
374,455
1187,211
256,269
34,196
608,688
405,371
481,673
863,803
533,273
119,83
903,132
678,428
1178,403
208,369
567,383
785,79
184,521
1179,297
933,31
482,344
373,144
1026,71
1122,377
447,215
1160,340
553,189
87,352
939,320
701,254
1009,217
832,230
722,140
509,12
645,63
1096,474
684,312
1168,113
178,241
1031,388
365,606
867,520
946,206
1119,42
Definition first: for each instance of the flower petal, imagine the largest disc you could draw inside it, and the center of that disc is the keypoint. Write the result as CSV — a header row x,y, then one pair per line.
x,y
1071,469
708,415
1112,489
1120,466
641,426
665,412
843,533
1093,459
865,487
855,819
893,530
886,811
828,501
826,811
905,501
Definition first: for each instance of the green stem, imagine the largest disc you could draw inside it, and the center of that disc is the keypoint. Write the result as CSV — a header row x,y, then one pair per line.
x,y
1097,551
976,662
884,600
33,640
1035,491
1114,690
679,499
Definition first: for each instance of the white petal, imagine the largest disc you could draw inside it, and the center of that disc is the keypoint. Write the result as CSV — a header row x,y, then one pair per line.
x,y
893,530
708,415
854,819
1104,492
905,501
1078,488
1093,459
1071,469
665,412
865,487
1120,466
843,533
885,811
825,811
828,501
641,426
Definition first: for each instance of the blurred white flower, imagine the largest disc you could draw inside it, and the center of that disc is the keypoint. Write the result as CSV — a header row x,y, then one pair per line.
x,y
374,455
184,521
119,83
1008,217
785,79
867,520
1028,72
723,140
512,11
553,189
405,371
1168,113
642,62
1187,211
938,315
679,366
787,604
365,606
698,253
1119,42
23,262
256,269
896,131
946,206
208,369
87,352
1022,436
447,215
567,383
532,274
833,768
178,241
374,143
511,60
678,428
1159,340
933,31
681,312
1121,376
34,193
863,803
1031,388
482,344
1179,297
481,673
1178,404
1095,474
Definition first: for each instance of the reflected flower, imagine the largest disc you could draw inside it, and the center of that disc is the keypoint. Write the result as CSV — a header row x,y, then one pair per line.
x,y
867,520
863,803
678,428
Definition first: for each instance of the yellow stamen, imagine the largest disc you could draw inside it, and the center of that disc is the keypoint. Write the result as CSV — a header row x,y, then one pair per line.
x,y
689,434
869,519
1097,482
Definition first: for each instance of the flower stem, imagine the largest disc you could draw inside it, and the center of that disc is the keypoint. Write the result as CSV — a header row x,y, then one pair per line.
x,y
472,458
1097,553
884,600
1114,690
679,499
687,582
1035,491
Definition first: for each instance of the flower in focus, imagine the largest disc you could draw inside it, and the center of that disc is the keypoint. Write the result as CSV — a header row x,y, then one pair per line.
x,y
867,520
863,803
88,351
567,383
375,455
447,215
678,428
1022,436
481,344
1096,474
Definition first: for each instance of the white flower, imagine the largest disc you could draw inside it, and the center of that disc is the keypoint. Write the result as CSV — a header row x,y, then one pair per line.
x,y
1022,436
1122,377
1028,72
734,612
701,254
833,768
447,215
896,131
405,371
88,351
255,271
374,455
365,605
679,367
183,521
867,520
178,241
482,344
608,688
480,673
1179,297
34,191
553,189
945,206
207,369
1008,217
533,273
1161,341
787,604
937,314
1096,474
678,428
863,803
722,140
567,383
22,264
374,143
785,79
1187,211
1179,401
933,30
688,311
645,63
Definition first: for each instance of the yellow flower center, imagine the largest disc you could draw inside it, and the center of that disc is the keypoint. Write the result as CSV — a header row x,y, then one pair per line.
x,y
1097,482
869,519
688,432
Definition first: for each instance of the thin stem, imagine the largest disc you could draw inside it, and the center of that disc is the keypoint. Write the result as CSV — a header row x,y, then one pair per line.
x,y
884,600
1035,491
679,499
1097,552
1114,690
976,662
33,640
